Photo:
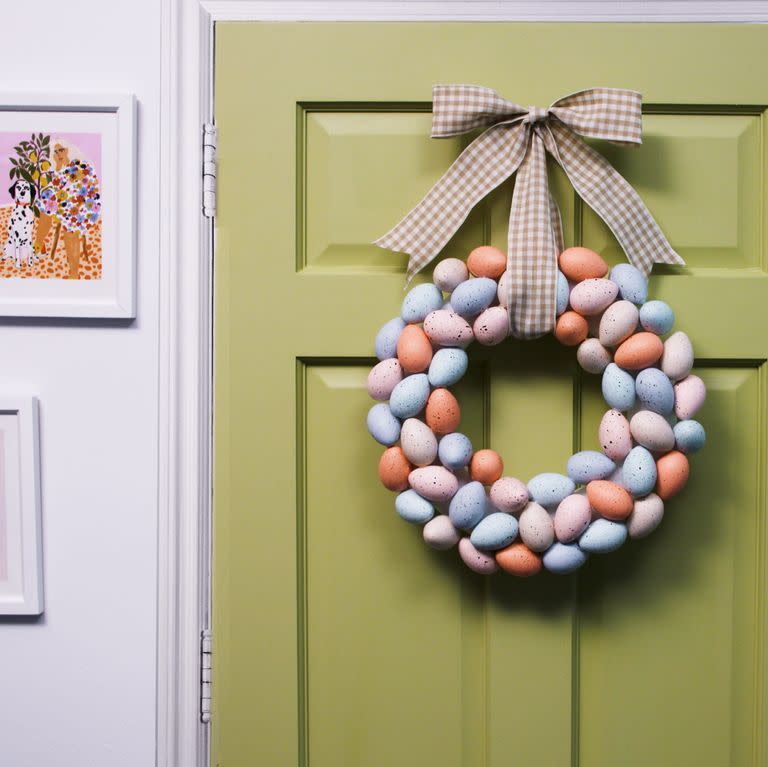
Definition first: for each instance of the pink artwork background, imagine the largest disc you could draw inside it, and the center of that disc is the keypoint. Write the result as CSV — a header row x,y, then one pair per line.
x,y
89,145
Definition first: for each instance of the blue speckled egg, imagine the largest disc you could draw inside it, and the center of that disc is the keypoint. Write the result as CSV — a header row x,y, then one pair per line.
x,y
632,283
654,391
410,396
657,317
385,344
473,296
587,465
468,506
382,425
413,508
494,532
454,450
603,536
549,488
563,291
563,558
689,436
447,367
420,301
638,473
618,387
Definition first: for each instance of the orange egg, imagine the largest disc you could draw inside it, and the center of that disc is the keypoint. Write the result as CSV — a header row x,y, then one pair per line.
x,y
579,264
443,413
571,329
519,560
609,500
414,349
672,472
487,261
394,469
486,466
639,351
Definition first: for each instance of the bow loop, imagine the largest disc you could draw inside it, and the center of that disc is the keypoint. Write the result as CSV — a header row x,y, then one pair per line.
x,y
611,114
459,109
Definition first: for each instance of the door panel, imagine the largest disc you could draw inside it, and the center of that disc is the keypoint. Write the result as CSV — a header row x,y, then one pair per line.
x,y
341,639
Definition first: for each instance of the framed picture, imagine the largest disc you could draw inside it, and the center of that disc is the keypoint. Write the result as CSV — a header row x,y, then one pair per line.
x,y
21,561
67,205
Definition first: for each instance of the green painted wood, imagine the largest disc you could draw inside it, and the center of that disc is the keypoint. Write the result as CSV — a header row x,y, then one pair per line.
x,y
341,640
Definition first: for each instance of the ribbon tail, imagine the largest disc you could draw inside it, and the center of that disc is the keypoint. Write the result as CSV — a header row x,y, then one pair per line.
x,y
556,222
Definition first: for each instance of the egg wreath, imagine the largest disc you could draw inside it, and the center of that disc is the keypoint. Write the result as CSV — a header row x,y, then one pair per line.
x,y
460,495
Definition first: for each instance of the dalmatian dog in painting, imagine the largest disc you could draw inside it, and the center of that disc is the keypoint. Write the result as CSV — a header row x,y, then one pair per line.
x,y
19,246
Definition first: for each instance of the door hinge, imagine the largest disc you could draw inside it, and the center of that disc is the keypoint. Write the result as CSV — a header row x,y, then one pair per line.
x,y
205,675
209,170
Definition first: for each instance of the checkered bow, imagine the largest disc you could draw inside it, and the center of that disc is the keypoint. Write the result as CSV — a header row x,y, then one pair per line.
x,y
518,139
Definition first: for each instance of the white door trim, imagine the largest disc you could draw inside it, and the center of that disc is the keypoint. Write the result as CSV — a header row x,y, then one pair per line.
x,y
186,251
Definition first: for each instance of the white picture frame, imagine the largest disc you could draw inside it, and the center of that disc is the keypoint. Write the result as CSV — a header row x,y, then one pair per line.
x,y
36,291
21,555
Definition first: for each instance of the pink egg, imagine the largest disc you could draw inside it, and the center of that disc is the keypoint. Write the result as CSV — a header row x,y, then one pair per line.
x,y
435,483
440,533
593,356
492,326
593,296
537,530
619,322
646,516
502,292
652,431
690,394
476,560
445,328
572,518
418,442
383,378
677,358
509,494
449,273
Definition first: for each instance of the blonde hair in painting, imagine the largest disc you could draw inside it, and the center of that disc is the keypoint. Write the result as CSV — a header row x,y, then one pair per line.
x,y
73,152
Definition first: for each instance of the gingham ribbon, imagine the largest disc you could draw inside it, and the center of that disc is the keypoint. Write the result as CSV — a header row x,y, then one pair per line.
x,y
518,139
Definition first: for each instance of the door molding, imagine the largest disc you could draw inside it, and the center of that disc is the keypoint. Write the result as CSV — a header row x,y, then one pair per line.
x,y
185,332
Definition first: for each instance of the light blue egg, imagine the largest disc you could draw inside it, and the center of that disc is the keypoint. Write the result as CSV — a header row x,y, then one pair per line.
x,y
563,291
587,465
689,436
494,532
602,536
618,387
473,296
632,283
385,344
655,391
382,425
657,317
454,450
468,506
563,558
638,473
413,508
447,367
549,488
420,301
410,396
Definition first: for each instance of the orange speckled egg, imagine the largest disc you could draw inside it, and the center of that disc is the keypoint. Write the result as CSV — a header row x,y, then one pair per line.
x,y
394,469
487,261
609,500
414,349
571,329
639,351
519,560
443,413
579,264
486,466
672,472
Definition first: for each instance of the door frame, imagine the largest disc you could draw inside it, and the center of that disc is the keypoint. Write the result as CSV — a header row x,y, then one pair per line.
x,y
187,242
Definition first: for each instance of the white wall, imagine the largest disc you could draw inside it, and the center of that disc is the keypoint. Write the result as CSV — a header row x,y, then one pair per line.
x,y
77,686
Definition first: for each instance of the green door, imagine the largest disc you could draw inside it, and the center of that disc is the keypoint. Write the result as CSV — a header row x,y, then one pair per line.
x,y
341,639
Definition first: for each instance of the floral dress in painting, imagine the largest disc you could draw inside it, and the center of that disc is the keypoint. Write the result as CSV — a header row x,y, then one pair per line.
x,y
73,197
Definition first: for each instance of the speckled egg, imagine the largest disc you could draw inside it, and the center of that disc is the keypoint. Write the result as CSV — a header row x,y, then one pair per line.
x,y
414,349
690,394
383,378
454,450
486,466
639,471
549,488
443,413
689,436
646,516
444,328
652,430
587,465
502,292
434,483
614,435
447,367
476,560
572,517
673,470
593,296
537,530
473,296
385,344
639,351
562,559
654,391
487,261
509,494
562,294
410,396
418,442
603,536
593,356
468,506
450,273
382,425
632,283
439,533
609,499
394,469
617,323
494,532
492,326
657,317
677,358
519,560
579,264
413,508
618,387
420,301
571,329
